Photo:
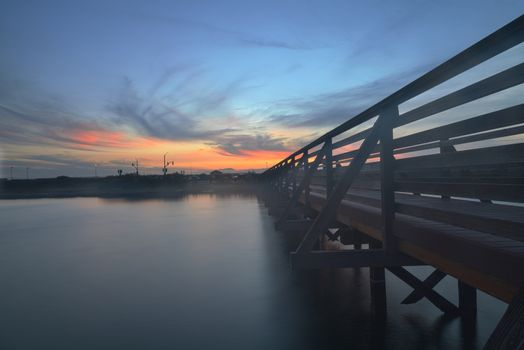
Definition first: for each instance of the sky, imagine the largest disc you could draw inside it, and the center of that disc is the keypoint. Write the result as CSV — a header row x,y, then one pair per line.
x,y
215,84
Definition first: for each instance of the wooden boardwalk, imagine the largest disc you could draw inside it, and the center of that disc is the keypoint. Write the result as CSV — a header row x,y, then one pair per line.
x,y
433,185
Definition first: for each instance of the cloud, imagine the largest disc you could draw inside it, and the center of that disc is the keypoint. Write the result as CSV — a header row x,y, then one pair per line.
x,y
330,109
241,144
43,122
178,106
173,117
276,44
227,35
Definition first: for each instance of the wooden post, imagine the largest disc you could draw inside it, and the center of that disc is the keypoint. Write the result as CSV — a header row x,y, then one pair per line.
x,y
328,165
446,148
288,176
377,275
294,175
377,286
281,178
357,245
306,168
467,299
387,177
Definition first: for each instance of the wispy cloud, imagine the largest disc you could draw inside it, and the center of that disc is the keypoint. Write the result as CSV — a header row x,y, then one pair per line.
x,y
236,37
276,44
172,117
241,144
331,109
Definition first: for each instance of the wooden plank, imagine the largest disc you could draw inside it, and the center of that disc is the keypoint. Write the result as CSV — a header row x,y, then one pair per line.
x,y
467,171
517,130
478,211
496,287
366,220
352,139
500,192
482,156
504,221
501,220
498,82
370,168
498,119
461,245
461,179
350,258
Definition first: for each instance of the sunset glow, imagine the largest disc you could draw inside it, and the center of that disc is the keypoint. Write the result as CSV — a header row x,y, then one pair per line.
x,y
226,86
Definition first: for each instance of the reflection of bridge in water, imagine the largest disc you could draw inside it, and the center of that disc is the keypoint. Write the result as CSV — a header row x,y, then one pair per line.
x,y
450,196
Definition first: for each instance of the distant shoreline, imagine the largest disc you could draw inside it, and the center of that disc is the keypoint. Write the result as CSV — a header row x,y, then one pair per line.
x,y
115,187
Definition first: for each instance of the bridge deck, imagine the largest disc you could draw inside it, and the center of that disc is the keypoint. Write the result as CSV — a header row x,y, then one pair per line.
x,y
497,219
481,259
431,173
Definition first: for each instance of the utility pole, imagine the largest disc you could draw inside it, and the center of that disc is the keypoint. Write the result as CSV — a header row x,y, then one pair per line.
x,y
96,175
135,165
164,168
11,172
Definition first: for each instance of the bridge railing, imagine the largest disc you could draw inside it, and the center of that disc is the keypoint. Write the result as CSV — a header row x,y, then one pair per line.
x,y
388,151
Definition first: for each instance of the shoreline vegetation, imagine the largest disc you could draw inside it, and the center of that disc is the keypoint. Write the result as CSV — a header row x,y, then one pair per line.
x,y
127,186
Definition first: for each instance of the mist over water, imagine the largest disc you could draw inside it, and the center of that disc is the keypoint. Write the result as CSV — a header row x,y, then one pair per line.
x,y
198,272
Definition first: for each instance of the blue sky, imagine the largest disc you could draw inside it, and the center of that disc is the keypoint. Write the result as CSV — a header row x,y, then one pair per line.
x,y
231,76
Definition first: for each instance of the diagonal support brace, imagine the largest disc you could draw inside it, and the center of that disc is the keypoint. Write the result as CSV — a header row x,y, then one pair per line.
x,y
327,213
431,281
296,195
435,298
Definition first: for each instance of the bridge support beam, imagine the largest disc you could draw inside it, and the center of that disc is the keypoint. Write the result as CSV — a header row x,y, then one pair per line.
x,y
377,286
374,258
467,299
509,332
431,281
299,225
435,298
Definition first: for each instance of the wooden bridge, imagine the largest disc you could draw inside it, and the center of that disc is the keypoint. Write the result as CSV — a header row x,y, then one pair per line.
x,y
448,193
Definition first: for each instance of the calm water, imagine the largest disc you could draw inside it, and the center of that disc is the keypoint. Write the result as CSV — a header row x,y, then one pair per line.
x,y
201,272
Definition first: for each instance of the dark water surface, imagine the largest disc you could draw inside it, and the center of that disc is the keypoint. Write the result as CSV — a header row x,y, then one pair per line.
x,y
200,272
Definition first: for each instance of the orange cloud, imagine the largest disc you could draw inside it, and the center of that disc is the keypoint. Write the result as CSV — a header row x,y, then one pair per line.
x,y
109,139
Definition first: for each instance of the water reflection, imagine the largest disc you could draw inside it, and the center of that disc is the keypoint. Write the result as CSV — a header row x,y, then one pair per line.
x,y
193,272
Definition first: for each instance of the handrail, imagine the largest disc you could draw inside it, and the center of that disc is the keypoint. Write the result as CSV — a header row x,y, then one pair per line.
x,y
499,41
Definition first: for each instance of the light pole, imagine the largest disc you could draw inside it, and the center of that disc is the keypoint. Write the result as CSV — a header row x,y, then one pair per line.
x,y
164,169
11,172
135,165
